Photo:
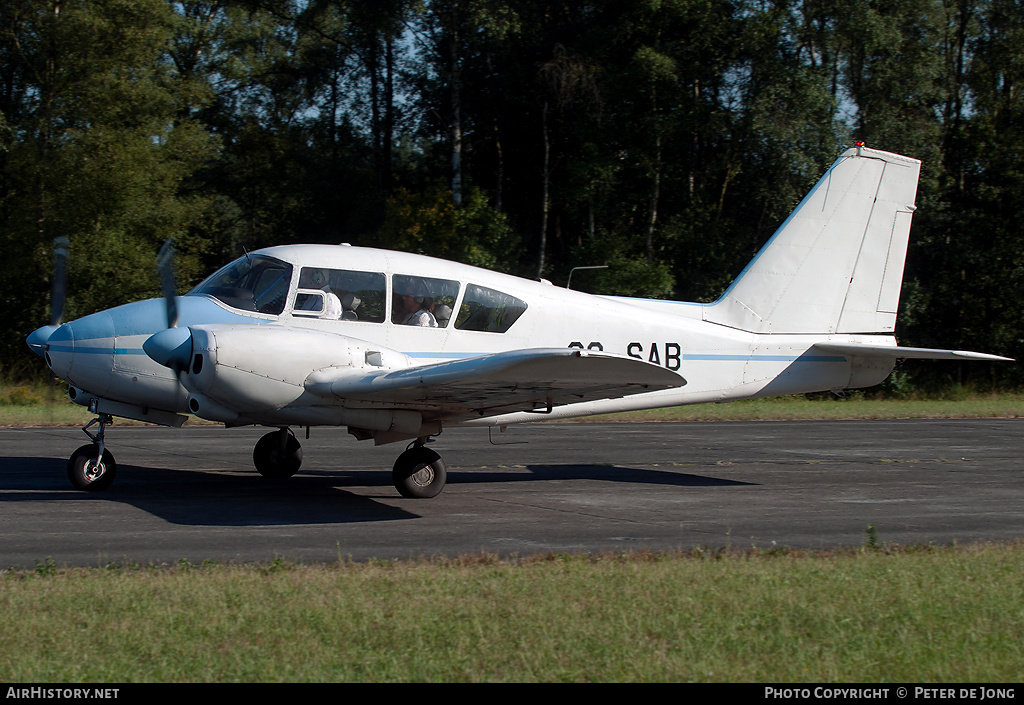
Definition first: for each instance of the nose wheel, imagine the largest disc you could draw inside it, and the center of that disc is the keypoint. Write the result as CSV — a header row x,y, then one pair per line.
x,y
92,467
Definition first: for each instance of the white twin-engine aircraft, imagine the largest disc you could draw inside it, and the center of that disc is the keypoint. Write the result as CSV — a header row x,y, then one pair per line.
x,y
398,346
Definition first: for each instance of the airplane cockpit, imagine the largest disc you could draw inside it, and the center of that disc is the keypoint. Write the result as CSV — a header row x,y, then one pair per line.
x,y
250,283
261,283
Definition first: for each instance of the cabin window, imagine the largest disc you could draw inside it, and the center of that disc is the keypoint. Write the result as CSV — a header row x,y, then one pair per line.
x,y
251,283
488,310
312,304
423,301
340,294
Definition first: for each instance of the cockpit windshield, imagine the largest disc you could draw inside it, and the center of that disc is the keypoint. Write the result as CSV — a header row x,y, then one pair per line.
x,y
252,283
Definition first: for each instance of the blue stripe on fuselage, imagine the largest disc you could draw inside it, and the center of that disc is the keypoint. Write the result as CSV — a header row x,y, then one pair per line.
x,y
690,357
764,358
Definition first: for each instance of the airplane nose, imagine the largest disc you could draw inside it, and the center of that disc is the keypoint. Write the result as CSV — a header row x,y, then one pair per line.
x,y
57,346
171,347
38,340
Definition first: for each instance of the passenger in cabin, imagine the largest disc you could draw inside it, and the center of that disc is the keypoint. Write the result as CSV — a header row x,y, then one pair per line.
x,y
332,306
350,302
442,314
413,307
318,279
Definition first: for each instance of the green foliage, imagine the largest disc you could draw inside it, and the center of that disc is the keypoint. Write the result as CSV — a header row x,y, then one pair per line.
x,y
665,138
871,538
628,273
22,395
102,153
430,223
46,569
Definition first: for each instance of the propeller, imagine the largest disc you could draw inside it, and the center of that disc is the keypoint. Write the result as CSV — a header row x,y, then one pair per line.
x,y
60,279
39,338
165,265
171,347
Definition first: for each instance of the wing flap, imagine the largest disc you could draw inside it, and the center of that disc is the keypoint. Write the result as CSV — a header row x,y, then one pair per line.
x,y
519,380
896,352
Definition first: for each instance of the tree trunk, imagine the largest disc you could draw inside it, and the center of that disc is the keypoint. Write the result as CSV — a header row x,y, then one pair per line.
x,y
655,196
546,202
456,105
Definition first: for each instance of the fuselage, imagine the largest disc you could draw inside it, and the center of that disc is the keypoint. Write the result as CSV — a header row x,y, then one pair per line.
x,y
358,294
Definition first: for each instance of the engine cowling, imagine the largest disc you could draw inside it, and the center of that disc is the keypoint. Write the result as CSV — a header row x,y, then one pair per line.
x,y
249,373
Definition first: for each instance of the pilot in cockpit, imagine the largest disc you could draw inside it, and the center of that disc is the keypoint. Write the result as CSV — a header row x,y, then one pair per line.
x,y
319,279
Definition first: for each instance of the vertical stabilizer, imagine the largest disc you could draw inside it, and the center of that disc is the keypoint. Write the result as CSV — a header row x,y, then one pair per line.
x,y
836,264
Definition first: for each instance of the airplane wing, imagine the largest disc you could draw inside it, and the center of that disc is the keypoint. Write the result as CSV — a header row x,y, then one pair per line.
x,y
518,380
896,352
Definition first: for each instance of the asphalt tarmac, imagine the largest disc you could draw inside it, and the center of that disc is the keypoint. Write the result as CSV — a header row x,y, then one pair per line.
x,y
192,495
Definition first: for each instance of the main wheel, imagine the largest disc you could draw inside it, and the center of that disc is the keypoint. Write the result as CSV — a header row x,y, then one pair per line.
x,y
86,472
272,459
419,472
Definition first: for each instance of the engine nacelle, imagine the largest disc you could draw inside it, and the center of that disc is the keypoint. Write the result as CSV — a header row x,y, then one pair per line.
x,y
246,370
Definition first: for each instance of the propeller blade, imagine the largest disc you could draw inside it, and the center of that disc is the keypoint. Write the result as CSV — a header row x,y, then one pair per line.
x,y
59,293
165,265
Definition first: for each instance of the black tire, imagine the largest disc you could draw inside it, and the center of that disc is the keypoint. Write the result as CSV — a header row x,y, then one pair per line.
x,y
269,459
87,474
419,473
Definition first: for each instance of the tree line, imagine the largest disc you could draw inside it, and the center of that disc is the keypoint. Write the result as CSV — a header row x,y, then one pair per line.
x,y
666,139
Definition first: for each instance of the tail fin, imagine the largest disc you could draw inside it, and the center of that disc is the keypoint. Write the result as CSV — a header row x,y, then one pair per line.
x,y
836,264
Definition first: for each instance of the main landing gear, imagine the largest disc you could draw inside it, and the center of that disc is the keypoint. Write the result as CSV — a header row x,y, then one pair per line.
x,y
277,454
92,466
419,472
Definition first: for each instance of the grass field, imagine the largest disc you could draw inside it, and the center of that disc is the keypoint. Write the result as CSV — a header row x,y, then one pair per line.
x,y
873,615
878,614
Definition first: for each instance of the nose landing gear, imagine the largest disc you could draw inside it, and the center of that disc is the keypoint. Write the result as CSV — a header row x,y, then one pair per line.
x,y
92,467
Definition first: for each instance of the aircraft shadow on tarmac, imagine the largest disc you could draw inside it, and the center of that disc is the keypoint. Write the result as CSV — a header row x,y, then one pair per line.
x,y
610,473
243,498
213,498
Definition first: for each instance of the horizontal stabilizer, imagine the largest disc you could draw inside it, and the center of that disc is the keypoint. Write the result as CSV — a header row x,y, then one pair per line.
x,y
896,352
517,380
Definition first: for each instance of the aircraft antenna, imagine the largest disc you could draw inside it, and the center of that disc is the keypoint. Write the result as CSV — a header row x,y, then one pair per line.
x,y
593,266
